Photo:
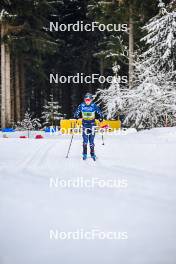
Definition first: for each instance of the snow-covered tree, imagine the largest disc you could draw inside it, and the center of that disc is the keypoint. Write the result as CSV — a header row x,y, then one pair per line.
x,y
28,123
112,97
151,101
161,39
51,114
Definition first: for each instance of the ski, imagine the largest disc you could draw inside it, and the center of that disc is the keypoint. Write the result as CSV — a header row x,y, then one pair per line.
x,y
94,157
84,157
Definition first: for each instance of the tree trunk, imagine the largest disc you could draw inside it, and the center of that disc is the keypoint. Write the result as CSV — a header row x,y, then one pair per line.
x,y
12,92
22,85
131,45
89,70
7,85
17,92
102,70
3,79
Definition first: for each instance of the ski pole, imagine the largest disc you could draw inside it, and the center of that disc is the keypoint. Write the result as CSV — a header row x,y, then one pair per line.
x,y
103,140
70,145
71,142
102,137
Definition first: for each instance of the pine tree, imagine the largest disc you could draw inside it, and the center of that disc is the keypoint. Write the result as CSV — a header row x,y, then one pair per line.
x,y
112,98
161,38
151,102
112,46
51,114
27,41
5,59
35,52
28,123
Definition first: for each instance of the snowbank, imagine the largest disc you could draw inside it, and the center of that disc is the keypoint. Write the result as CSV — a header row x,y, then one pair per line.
x,y
144,207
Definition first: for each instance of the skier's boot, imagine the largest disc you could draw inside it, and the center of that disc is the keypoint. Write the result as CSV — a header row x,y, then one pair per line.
x,y
84,151
92,153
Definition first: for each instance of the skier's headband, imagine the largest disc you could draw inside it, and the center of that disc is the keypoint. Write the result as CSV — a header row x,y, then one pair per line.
x,y
88,99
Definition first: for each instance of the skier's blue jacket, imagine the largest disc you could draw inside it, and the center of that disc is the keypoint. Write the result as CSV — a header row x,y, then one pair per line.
x,y
88,113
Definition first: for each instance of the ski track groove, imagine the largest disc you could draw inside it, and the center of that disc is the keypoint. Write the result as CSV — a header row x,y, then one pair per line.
x,y
37,158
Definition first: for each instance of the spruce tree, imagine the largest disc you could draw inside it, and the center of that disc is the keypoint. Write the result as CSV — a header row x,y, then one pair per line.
x,y
28,123
161,38
112,98
51,115
153,96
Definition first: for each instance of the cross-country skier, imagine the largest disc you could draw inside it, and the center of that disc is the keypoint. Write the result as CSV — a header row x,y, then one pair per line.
x,y
88,110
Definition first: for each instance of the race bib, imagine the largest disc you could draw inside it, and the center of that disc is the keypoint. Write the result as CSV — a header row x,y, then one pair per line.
x,y
88,115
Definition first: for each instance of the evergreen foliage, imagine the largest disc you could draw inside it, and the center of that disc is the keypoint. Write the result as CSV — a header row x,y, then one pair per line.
x,y
51,114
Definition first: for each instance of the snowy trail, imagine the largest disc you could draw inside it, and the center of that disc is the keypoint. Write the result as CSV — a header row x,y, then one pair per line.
x,y
146,209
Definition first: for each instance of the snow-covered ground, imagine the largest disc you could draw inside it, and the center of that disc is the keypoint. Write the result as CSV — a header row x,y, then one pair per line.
x,y
144,208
